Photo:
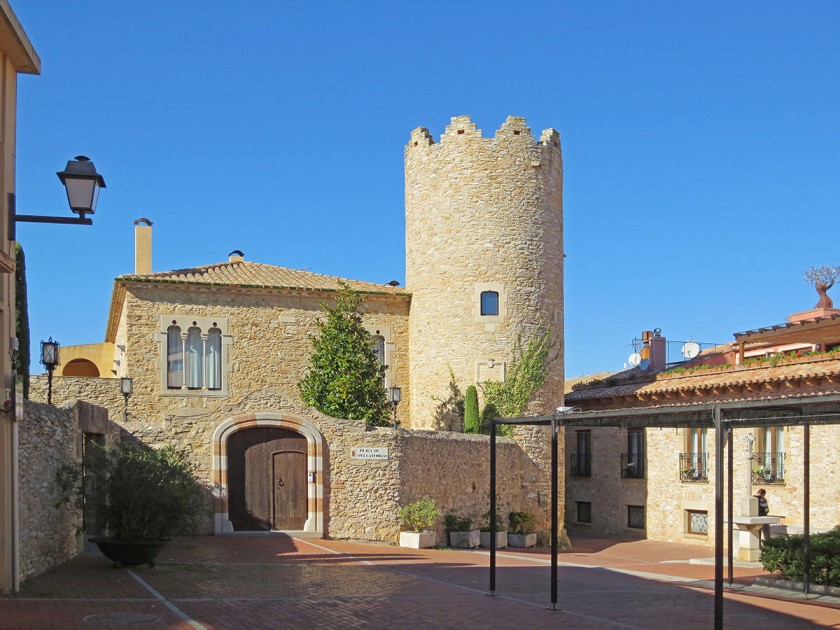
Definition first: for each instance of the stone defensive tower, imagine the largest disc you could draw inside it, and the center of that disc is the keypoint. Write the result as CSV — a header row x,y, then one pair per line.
x,y
484,257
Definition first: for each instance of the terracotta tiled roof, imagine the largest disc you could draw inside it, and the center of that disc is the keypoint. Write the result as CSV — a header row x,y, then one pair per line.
x,y
709,382
243,273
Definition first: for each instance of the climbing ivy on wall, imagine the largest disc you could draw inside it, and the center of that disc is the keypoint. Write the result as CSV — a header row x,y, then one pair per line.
x,y
526,374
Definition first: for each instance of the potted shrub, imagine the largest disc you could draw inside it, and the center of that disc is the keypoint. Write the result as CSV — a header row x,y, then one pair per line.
x,y
460,530
417,521
501,532
523,527
142,498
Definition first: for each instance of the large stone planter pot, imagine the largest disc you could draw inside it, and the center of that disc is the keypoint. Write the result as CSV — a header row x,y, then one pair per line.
x,y
130,554
501,539
522,540
417,540
465,540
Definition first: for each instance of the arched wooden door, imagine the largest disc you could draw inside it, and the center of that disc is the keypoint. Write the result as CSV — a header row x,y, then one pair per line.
x,y
267,486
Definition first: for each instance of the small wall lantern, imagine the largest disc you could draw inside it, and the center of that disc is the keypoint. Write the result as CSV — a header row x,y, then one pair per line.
x,y
50,359
394,395
126,387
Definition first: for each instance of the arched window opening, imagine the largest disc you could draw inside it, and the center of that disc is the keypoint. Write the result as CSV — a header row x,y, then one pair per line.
x,y
174,358
214,359
195,359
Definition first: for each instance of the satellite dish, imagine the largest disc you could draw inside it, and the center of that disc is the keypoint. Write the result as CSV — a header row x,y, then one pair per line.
x,y
690,349
644,365
635,359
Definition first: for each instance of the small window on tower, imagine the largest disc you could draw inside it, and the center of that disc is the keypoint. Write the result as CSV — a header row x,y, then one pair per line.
x,y
490,303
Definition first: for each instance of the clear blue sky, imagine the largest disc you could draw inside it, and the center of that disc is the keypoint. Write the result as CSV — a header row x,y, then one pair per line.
x,y
701,143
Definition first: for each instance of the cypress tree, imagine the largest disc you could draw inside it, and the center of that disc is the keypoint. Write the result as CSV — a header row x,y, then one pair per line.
x,y
21,358
471,417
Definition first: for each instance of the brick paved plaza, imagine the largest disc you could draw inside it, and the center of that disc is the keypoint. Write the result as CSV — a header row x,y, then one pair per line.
x,y
279,582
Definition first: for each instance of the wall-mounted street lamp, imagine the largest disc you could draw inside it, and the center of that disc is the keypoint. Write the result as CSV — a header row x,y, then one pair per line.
x,y
394,395
49,359
126,387
82,183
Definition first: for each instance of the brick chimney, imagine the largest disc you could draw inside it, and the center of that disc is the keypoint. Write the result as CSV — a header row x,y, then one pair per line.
x,y
655,349
142,246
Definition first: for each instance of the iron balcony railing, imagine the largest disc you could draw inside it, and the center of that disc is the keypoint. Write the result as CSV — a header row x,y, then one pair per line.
x,y
768,468
581,464
694,467
632,465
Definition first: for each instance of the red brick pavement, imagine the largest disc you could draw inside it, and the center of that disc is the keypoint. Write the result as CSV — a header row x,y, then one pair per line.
x,y
250,583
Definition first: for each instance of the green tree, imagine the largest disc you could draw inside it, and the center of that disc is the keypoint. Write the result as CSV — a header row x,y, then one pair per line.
x,y
21,359
527,373
345,378
471,417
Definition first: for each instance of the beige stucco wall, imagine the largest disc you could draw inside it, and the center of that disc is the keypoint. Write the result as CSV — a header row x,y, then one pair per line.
x,y
482,214
100,354
17,55
667,498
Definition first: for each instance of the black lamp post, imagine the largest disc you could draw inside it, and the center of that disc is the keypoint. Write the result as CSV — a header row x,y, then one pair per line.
x,y
49,359
394,395
82,183
126,387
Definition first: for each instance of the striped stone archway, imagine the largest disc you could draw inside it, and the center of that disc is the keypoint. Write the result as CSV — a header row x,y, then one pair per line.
x,y
314,465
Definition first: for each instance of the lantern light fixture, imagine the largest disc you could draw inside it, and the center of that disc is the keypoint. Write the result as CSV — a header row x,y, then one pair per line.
x,y
82,183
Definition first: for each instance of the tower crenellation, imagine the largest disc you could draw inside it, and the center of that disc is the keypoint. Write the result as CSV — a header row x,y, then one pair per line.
x,y
483,221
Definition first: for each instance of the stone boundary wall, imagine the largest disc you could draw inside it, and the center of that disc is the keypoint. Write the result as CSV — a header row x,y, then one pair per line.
x,y
103,392
365,496
50,437
361,498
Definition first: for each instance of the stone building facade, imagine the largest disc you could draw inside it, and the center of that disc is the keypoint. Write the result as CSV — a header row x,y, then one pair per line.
x,y
657,482
215,354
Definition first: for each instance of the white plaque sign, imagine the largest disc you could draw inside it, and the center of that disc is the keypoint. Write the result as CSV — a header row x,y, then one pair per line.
x,y
369,452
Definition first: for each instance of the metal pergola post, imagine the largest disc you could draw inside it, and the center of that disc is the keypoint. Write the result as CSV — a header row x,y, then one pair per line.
x,y
730,438
554,524
492,508
716,413
793,411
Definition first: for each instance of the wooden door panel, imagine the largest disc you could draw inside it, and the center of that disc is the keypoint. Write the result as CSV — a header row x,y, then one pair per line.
x,y
251,493
289,490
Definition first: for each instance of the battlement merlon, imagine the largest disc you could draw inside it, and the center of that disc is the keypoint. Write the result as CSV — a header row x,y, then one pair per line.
x,y
513,129
421,137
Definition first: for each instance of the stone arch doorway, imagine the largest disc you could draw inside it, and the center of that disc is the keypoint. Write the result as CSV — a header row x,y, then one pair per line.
x,y
268,474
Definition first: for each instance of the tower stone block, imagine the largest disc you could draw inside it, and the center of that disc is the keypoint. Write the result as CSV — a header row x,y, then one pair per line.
x,y
484,216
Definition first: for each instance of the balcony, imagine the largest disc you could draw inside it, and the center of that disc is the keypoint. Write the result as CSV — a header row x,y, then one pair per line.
x,y
581,464
768,468
694,467
632,465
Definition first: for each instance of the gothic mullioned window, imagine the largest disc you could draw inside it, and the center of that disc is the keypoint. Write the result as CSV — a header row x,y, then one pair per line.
x,y
194,354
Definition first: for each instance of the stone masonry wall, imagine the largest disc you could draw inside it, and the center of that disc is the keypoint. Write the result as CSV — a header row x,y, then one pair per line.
x,y
49,438
667,498
269,344
362,497
482,214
